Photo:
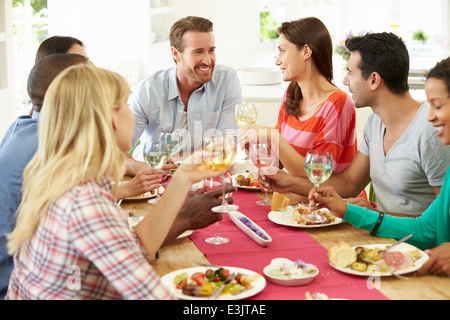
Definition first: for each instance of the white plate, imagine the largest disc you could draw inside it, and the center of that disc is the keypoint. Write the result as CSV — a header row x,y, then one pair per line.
x,y
285,219
147,195
403,247
255,174
235,215
258,285
292,282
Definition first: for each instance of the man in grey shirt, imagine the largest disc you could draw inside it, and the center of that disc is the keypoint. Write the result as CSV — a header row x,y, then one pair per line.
x,y
196,96
400,153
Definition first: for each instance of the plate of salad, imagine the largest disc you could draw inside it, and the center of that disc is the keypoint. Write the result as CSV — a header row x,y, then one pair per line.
x,y
200,283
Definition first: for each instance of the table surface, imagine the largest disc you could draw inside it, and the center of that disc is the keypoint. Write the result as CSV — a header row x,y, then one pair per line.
x,y
180,253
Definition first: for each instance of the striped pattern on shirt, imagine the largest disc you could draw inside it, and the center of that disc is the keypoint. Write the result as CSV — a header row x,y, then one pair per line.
x,y
331,128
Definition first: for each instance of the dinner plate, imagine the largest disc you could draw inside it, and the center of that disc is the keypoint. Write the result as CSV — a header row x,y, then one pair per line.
x,y
258,285
255,174
285,219
147,195
403,247
133,221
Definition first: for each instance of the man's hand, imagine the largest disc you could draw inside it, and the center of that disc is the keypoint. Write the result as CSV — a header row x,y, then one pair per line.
x,y
327,197
280,182
196,212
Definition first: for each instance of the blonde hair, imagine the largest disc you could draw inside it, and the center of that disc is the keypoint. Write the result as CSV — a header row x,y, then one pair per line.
x,y
76,143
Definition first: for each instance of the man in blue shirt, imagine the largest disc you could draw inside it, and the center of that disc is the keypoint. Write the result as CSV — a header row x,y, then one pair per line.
x,y
18,147
196,96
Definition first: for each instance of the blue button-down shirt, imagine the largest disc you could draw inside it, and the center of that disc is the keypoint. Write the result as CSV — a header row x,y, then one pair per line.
x,y
157,105
16,150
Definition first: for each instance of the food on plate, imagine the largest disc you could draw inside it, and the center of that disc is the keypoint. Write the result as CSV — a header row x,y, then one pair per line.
x,y
279,202
204,284
303,209
372,259
316,296
247,181
292,270
246,221
342,255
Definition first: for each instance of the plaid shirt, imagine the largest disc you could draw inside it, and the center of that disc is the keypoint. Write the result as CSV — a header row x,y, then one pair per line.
x,y
84,249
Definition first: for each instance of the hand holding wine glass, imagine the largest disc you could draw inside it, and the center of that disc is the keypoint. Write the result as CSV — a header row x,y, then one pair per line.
x,y
155,155
318,168
263,155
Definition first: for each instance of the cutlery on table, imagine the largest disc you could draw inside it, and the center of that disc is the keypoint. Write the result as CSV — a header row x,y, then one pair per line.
x,y
216,294
386,269
399,241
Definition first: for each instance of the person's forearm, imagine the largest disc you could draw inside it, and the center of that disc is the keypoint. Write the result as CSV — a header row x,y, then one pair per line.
x,y
133,166
154,228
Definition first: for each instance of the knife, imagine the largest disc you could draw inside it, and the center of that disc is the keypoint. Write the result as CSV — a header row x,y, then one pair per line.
x,y
399,241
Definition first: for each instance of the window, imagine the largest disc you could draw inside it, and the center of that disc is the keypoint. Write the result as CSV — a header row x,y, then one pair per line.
x,y
30,28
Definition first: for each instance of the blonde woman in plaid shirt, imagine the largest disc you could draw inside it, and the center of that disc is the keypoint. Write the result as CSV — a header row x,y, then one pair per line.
x,y
70,241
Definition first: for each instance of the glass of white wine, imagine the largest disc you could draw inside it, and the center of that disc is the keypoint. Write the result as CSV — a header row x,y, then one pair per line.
x,y
212,184
263,156
318,168
172,141
219,151
155,154
245,113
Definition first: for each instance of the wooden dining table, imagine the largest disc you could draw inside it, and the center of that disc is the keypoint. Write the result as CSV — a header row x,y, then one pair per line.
x,y
181,253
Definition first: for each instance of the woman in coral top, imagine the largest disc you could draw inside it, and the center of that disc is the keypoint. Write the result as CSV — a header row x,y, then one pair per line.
x,y
315,114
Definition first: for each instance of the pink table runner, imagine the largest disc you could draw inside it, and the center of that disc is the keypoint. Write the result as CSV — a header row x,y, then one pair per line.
x,y
287,242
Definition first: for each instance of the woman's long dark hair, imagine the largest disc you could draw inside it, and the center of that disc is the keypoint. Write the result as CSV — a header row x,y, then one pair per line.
x,y
312,32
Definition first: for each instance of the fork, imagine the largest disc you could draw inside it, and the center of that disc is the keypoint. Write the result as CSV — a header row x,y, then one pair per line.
x,y
216,294
392,273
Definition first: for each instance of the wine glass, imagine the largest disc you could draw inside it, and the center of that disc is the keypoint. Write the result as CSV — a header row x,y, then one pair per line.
x,y
245,113
212,184
318,168
155,154
172,141
219,151
263,155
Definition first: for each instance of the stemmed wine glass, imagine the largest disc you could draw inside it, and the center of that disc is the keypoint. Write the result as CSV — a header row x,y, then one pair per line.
x,y
172,142
245,113
155,154
219,151
212,184
263,155
318,168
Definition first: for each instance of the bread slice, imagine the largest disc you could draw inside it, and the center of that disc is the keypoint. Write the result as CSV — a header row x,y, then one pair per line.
x,y
279,202
342,255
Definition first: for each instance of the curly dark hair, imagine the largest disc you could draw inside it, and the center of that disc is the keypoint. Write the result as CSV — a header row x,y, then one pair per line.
x,y
386,54
442,72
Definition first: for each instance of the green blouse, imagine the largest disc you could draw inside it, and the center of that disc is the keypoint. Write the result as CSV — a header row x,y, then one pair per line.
x,y
432,227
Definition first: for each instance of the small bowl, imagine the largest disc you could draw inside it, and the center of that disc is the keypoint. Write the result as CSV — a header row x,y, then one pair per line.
x,y
263,241
293,281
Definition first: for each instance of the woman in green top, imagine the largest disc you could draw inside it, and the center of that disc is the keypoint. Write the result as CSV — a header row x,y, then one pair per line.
x,y
432,228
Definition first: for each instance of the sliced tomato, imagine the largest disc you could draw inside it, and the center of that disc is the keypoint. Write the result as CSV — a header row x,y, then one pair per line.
x,y
181,284
198,277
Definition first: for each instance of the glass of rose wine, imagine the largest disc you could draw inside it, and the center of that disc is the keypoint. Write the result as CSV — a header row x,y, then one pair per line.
x,y
263,156
212,184
219,151
155,155
318,168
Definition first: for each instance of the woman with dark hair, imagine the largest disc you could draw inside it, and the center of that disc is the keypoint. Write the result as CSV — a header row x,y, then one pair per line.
x,y
315,114
60,44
